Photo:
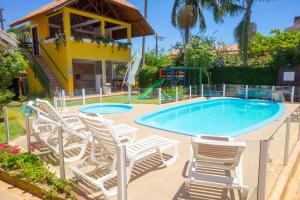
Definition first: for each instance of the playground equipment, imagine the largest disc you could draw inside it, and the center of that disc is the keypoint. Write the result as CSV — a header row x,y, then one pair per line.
x,y
148,91
174,75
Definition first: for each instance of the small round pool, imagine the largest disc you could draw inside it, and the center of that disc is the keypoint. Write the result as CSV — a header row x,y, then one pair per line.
x,y
106,108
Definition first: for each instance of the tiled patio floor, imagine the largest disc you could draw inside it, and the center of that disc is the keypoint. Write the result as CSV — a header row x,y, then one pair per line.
x,y
153,182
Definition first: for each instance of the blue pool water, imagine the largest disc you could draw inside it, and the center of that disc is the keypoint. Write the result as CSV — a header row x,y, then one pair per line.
x,y
106,108
214,117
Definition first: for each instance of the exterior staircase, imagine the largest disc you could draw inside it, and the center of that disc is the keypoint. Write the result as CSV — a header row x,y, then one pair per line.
x,y
54,83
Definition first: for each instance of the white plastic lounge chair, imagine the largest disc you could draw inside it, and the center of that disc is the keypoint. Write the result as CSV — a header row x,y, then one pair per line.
x,y
73,122
217,153
135,152
46,130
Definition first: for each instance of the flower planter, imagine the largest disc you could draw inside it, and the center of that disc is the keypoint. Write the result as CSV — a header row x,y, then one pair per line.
x,y
24,185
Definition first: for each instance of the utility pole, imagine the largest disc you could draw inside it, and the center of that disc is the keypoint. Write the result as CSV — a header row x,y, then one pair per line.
x,y
144,37
157,38
1,18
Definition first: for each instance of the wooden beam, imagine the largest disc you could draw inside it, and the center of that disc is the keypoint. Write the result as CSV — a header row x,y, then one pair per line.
x,y
92,21
112,9
95,8
85,31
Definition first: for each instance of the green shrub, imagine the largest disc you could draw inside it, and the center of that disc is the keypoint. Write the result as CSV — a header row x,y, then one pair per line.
x,y
147,76
31,168
243,75
5,98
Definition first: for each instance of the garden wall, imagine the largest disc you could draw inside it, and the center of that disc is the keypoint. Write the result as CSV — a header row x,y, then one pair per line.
x,y
243,75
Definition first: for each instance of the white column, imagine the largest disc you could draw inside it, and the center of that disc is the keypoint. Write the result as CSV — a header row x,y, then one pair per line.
x,y
176,98
27,127
202,92
293,94
287,140
101,95
61,152
129,94
83,96
190,92
224,90
122,172
6,124
246,92
63,94
262,173
159,95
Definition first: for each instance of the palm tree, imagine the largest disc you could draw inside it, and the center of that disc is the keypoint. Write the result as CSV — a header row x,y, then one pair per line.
x,y
187,13
245,30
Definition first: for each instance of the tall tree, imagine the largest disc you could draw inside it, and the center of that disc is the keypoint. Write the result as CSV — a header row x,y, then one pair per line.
x,y
187,13
245,30
144,37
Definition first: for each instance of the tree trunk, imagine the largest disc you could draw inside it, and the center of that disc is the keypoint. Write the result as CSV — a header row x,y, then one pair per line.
x,y
245,39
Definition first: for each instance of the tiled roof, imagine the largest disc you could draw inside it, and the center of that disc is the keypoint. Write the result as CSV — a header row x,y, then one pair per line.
x,y
59,4
8,35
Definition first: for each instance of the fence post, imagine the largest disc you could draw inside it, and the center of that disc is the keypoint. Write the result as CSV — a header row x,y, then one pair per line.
x,y
63,98
190,92
202,92
262,172
287,140
61,153
6,125
101,95
27,127
273,88
121,172
246,92
55,101
83,96
224,90
159,96
293,94
129,94
176,97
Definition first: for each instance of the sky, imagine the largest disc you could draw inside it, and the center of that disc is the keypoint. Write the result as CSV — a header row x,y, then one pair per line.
x,y
268,15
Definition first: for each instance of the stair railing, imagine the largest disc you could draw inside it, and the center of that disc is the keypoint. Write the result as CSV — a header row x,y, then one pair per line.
x,y
54,64
37,70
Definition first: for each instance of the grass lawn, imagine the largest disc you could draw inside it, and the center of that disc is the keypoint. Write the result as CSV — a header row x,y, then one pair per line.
x,y
16,123
113,99
15,130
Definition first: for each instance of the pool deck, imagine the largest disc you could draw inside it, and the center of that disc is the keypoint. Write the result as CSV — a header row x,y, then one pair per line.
x,y
151,181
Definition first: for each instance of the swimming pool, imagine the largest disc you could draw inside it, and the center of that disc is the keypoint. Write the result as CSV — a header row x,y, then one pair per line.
x,y
106,108
214,117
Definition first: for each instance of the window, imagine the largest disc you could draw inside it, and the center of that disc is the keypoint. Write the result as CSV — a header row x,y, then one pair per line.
x,y
55,25
288,76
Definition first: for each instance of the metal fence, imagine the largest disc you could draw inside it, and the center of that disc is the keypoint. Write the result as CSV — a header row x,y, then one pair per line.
x,y
265,160
172,94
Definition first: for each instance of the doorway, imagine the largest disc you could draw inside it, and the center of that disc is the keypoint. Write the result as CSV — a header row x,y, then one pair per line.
x,y
35,40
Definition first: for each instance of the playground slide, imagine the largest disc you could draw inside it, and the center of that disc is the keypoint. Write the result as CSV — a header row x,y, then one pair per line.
x,y
148,91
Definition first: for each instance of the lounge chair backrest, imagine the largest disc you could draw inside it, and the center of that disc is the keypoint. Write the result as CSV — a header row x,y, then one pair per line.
x,y
52,113
99,127
225,152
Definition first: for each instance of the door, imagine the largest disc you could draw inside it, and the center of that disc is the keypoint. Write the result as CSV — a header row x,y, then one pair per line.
x,y
35,41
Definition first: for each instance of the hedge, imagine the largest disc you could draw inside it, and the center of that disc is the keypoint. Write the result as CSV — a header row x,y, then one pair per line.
x,y
243,75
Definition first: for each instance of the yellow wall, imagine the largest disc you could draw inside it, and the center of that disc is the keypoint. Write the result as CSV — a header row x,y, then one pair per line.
x,y
73,50
34,84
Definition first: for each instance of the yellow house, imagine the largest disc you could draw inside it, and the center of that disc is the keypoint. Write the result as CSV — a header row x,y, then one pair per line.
x,y
81,43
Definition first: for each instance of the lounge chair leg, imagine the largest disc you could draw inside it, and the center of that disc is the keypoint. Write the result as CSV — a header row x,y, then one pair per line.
x,y
187,185
171,160
244,194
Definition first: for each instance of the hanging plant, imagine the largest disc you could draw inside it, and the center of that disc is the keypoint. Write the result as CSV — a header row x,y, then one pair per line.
x,y
60,38
97,40
78,38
